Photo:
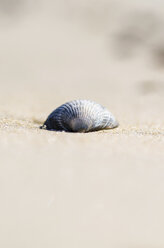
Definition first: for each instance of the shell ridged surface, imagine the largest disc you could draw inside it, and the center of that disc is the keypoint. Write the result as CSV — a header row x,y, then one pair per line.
x,y
80,116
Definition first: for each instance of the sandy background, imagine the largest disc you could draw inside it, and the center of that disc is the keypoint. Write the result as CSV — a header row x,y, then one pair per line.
x,y
102,189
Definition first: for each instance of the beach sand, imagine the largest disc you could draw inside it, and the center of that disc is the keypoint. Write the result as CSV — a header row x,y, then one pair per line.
x,y
100,189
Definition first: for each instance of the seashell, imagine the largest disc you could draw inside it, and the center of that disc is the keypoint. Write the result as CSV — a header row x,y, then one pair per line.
x,y
80,116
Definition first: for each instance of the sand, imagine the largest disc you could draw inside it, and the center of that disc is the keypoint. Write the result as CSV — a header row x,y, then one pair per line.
x,y
101,189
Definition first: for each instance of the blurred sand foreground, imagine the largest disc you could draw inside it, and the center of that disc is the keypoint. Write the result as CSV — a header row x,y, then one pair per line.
x,y
95,190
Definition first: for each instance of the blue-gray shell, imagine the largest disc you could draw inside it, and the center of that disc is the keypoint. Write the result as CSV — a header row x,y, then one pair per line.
x,y
80,116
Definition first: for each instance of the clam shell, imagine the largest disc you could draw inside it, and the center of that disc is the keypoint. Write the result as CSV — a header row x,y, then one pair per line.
x,y
80,116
